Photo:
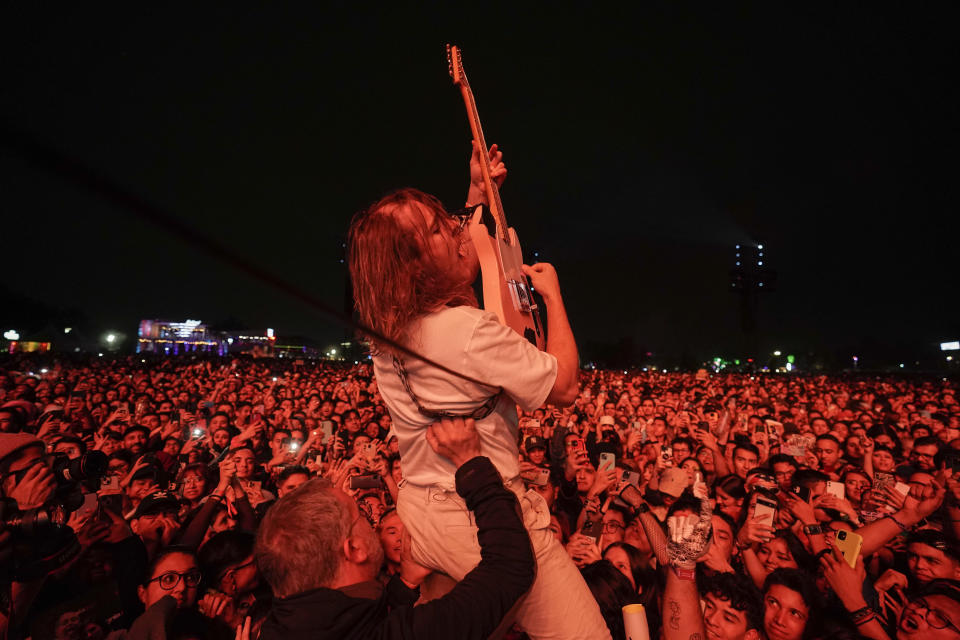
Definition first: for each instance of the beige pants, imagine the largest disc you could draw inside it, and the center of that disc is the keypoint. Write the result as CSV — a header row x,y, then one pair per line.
x,y
559,606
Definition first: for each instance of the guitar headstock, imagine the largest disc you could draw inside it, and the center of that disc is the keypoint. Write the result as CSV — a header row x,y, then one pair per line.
x,y
455,66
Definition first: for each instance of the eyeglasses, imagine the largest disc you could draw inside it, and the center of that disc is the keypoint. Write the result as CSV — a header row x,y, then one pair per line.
x,y
612,526
233,570
169,580
935,619
463,216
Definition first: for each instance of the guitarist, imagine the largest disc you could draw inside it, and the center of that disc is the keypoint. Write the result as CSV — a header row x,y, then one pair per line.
x,y
412,272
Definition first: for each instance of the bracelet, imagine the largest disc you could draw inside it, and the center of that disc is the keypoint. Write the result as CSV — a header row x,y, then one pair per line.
x,y
217,497
862,615
869,618
684,574
902,526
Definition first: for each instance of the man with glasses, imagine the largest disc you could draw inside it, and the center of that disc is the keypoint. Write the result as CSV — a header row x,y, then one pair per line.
x,y
412,267
934,615
924,453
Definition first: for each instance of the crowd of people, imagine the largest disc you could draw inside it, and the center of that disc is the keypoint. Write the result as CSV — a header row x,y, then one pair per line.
x,y
830,506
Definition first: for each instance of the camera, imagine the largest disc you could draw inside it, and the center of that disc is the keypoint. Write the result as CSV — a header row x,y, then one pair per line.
x,y
32,521
842,534
88,467
40,542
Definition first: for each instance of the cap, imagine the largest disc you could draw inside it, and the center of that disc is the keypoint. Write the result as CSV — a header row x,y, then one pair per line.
x,y
146,471
11,443
157,503
607,420
673,481
136,427
534,442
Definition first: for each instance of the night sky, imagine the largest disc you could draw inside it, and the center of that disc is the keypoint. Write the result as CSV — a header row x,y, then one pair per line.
x,y
642,143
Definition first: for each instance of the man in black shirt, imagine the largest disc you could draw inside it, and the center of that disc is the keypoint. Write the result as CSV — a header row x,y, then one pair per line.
x,y
321,557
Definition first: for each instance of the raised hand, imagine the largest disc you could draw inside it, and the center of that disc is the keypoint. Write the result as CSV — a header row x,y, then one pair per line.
x,y
498,170
689,537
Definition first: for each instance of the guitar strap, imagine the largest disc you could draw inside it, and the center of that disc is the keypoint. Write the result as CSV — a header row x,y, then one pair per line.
x,y
479,413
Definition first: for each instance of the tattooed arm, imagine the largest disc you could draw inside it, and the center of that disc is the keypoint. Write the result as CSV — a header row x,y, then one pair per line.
x,y
689,540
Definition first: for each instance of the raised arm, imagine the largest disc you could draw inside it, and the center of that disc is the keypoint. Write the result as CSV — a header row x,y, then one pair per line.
x,y
560,341
477,192
689,540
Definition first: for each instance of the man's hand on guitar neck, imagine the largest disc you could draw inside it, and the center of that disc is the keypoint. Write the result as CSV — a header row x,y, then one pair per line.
x,y
477,193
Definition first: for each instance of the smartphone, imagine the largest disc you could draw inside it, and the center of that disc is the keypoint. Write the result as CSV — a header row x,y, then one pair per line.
x,y
765,511
578,446
607,461
113,503
533,424
849,544
89,507
294,446
837,489
369,451
631,496
666,455
364,482
539,477
592,527
326,427
110,485
197,433
882,479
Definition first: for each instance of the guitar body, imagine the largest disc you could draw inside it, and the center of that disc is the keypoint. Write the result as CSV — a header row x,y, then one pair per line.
x,y
506,290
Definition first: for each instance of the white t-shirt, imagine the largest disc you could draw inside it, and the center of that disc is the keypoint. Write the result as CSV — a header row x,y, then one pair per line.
x,y
471,341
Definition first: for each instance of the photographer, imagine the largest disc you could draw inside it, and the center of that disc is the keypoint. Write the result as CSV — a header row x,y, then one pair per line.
x,y
321,558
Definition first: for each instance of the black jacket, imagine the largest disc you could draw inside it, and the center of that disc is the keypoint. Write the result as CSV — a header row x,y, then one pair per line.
x,y
473,609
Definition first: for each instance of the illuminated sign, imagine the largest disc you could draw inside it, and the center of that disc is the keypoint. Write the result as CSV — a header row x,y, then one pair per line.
x,y
184,329
950,346
269,333
11,335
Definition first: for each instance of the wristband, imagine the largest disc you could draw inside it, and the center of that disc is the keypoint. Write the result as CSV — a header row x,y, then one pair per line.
x,y
902,526
813,529
684,574
862,615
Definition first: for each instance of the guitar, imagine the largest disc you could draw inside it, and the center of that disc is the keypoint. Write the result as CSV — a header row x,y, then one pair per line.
x,y
506,289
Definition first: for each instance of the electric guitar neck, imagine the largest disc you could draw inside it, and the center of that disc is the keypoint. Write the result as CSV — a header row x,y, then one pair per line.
x,y
506,289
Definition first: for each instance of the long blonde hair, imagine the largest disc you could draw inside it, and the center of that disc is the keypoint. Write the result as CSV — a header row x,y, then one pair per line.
x,y
394,279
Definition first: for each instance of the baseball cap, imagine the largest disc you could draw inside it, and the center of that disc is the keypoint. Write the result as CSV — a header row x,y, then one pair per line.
x,y
11,443
604,420
534,442
673,481
137,427
157,503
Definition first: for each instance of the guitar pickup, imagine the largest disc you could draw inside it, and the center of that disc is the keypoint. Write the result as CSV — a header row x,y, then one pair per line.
x,y
521,297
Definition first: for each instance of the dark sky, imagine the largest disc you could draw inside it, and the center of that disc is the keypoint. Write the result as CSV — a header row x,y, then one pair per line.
x,y
642,144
